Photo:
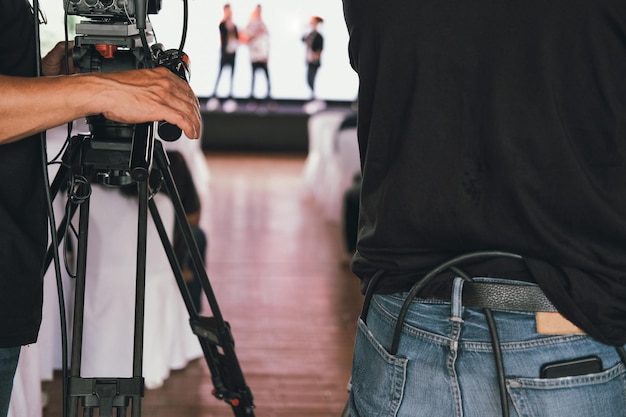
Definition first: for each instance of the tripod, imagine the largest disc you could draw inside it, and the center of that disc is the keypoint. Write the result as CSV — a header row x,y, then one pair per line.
x,y
108,158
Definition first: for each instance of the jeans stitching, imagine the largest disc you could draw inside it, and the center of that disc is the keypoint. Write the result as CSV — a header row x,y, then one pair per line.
x,y
455,333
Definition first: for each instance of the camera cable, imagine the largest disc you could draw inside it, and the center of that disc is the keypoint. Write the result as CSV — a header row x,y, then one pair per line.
x,y
429,278
51,219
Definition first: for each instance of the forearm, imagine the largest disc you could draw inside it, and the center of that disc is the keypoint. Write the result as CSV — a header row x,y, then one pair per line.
x,y
32,105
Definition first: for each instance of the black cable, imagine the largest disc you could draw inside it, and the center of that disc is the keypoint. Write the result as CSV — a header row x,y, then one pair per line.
x,y
57,271
369,293
51,219
183,37
622,354
451,265
472,256
395,342
144,44
497,349
497,353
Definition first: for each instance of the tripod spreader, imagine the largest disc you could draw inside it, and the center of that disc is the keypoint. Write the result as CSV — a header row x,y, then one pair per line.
x,y
106,394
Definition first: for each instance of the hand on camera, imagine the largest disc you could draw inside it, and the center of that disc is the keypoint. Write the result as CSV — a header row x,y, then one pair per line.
x,y
144,95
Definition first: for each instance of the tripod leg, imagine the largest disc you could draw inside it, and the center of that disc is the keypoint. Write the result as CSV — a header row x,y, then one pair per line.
x,y
212,332
209,351
140,291
79,299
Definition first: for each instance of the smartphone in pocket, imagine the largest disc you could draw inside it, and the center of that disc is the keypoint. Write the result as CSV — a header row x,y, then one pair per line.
x,y
571,367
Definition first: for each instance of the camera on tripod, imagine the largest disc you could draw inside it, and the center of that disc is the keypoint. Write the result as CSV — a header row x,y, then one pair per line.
x,y
116,35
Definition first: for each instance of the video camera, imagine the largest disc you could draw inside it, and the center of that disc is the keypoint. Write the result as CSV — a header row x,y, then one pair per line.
x,y
116,35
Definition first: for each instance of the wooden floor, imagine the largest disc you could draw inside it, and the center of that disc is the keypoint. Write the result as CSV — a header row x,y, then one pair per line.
x,y
282,283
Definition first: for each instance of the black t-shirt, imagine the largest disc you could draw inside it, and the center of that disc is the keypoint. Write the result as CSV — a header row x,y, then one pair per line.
x,y
489,125
229,38
315,44
22,199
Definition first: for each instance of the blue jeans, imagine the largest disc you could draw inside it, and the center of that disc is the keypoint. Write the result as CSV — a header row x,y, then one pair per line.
x,y
8,365
445,367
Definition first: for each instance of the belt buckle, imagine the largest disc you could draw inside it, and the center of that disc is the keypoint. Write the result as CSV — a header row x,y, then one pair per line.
x,y
553,323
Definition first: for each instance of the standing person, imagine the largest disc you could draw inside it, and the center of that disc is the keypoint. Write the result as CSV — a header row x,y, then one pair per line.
x,y
314,46
229,41
28,105
258,40
488,126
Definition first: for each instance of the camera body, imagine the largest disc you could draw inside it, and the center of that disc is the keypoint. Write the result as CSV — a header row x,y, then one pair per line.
x,y
116,36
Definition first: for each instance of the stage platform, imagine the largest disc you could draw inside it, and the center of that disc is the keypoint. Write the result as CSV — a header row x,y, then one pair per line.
x,y
278,126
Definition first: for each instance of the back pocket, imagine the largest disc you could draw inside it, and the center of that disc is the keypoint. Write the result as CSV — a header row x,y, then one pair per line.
x,y
593,395
378,378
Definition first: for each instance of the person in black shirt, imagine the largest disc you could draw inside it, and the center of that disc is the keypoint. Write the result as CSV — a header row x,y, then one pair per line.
x,y
31,104
499,127
314,42
229,41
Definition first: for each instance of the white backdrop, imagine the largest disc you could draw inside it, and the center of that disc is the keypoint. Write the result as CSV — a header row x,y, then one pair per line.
x,y
287,22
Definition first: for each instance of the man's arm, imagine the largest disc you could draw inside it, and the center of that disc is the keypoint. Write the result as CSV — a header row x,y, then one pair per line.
x,y
31,105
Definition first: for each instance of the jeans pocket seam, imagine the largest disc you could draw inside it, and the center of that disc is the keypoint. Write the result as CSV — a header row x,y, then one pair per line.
x,y
397,368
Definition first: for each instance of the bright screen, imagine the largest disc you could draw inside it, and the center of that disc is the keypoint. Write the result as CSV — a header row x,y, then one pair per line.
x,y
287,21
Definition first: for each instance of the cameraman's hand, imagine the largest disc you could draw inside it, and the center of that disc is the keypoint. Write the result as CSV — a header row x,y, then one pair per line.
x,y
56,62
145,95
31,105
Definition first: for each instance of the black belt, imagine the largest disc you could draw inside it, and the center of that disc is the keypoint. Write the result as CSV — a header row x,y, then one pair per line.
x,y
498,296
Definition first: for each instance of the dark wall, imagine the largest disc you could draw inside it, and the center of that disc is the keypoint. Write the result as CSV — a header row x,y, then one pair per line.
x,y
272,132
277,126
